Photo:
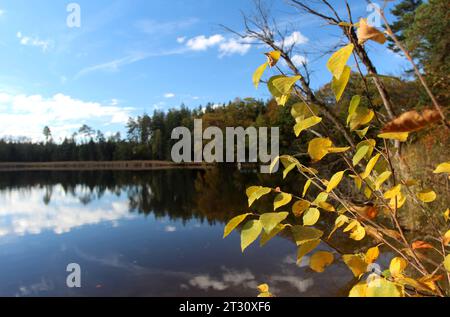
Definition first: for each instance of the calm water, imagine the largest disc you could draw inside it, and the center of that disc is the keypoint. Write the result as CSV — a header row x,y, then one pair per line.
x,y
142,234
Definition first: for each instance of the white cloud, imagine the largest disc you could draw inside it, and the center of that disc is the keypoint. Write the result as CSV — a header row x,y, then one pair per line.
x,y
296,38
2,12
170,229
298,60
25,213
169,95
234,46
34,41
25,115
202,43
181,39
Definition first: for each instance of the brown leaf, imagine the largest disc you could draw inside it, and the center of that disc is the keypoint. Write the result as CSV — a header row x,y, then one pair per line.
x,y
412,121
421,245
367,32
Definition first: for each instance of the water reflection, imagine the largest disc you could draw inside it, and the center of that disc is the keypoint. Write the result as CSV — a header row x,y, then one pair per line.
x,y
143,234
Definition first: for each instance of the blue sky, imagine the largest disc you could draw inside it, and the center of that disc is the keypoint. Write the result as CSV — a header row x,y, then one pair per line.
x,y
134,56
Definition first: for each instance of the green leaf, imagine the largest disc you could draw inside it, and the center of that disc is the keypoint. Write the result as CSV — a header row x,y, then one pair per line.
x,y
258,74
236,221
311,217
306,124
360,154
304,234
255,193
270,220
337,62
339,85
306,248
266,237
281,199
250,232
334,181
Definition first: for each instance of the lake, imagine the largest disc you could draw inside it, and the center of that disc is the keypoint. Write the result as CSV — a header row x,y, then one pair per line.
x,y
152,233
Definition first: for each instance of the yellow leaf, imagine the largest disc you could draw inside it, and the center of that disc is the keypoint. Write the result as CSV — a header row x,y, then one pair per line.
x,y
305,248
266,237
236,221
370,166
447,263
442,168
361,116
372,255
358,234
301,111
284,84
299,207
338,60
318,148
380,287
356,264
263,288
339,85
447,215
288,169
338,149
399,136
381,179
323,196
311,217
427,196
306,124
367,32
250,232
304,234
397,266
354,103
273,58
280,98
362,133
255,193
326,206
393,192
320,260
359,290
305,188
446,238
281,199
258,74
271,219
335,180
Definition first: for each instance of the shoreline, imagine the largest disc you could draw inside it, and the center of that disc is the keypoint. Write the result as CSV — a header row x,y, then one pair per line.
x,y
99,165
